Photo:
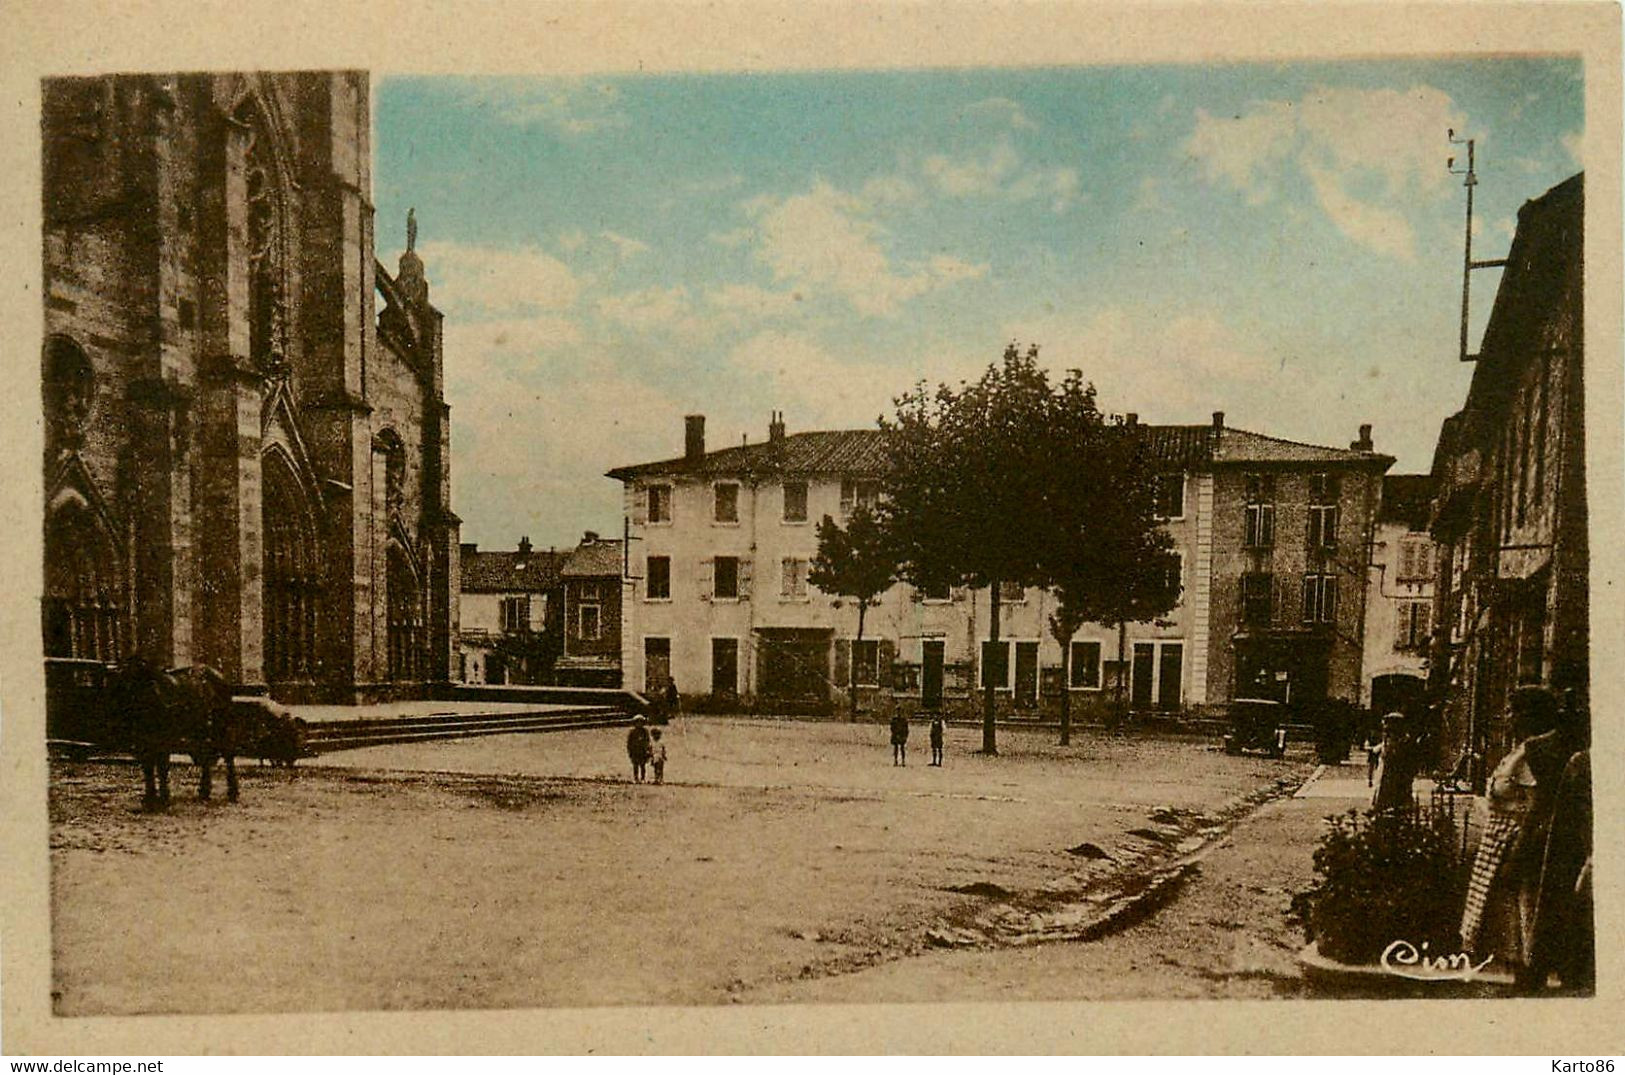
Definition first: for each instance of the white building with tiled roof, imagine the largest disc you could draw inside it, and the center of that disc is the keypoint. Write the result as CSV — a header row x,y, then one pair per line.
x,y
1270,532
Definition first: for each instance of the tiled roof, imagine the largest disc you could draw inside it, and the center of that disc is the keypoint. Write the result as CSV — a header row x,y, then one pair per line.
x,y
1407,498
594,559
861,452
1242,446
510,572
841,451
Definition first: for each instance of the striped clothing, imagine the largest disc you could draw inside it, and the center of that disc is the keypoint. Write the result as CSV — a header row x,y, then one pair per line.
x,y
1493,846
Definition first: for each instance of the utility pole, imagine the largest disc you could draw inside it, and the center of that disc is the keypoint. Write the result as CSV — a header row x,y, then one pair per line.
x,y
1469,180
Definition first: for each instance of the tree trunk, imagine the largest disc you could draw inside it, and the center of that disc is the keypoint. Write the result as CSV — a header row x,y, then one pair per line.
x,y
990,743
1066,691
1122,669
852,667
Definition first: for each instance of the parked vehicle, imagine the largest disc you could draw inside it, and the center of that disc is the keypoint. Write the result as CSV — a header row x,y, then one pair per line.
x,y
1257,724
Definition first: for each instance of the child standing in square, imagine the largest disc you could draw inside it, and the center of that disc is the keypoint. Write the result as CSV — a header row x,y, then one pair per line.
x,y
657,755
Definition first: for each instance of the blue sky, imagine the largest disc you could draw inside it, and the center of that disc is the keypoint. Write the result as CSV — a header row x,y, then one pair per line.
x,y
1281,242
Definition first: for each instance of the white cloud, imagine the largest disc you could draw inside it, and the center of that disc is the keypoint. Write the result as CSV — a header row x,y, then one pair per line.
x,y
827,241
750,301
965,178
1238,149
1170,367
483,279
573,108
1574,142
1387,144
628,248
824,391
623,247
1001,173
1399,135
890,190
1005,110
648,309
1375,227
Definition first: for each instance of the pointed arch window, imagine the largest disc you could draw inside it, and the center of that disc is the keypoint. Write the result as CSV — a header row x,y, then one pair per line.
x,y
83,609
267,334
405,618
292,585
70,390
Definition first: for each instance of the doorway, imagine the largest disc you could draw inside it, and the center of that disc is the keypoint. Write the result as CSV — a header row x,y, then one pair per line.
x,y
932,654
1145,659
1026,675
725,666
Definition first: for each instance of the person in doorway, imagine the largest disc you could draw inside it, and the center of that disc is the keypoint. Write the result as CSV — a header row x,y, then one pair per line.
x,y
657,755
936,740
637,749
899,739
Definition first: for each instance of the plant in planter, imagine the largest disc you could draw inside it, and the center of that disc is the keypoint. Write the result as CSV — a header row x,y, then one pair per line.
x,y
1384,877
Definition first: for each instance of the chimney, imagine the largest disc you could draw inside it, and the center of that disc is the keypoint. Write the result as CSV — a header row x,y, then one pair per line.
x,y
1364,443
775,428
1131,419
1218,421
694,437
524,545
589,537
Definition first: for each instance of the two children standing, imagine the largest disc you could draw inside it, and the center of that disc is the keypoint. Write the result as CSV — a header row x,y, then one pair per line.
x,y
643,748
899,740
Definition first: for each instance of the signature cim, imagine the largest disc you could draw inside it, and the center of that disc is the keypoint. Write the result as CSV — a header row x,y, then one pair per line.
x,y
1407,961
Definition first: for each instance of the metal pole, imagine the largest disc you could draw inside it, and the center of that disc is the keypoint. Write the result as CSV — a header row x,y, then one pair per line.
x,y
1469,182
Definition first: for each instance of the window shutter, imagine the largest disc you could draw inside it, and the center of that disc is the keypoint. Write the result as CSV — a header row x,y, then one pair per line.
x,y
1329,536
888,656
705,577
538,612
848,493
1424,623
843,662
744,577
1329,601
1268,537
787,577
640,506
1309,599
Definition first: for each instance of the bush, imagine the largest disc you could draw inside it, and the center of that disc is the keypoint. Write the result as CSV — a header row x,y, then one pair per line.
x,y
1380,878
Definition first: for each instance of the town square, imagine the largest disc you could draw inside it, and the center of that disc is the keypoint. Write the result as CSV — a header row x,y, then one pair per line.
x,y
1089,533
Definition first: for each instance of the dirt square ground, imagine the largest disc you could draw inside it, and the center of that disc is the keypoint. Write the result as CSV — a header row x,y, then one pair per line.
x,y
780,859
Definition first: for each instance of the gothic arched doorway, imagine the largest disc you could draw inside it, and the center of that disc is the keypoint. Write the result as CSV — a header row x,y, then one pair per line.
x,y
84,588
292,585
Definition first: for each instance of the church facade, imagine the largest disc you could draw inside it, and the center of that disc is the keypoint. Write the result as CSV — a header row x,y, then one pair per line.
x,y
247,442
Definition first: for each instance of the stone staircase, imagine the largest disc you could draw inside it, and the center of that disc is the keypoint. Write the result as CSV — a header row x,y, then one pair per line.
x,y
348,734
471,712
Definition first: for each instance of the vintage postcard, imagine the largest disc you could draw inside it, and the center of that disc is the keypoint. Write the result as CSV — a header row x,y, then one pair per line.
x,y
661,528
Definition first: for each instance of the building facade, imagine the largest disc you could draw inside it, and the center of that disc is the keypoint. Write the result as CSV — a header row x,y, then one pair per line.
x,y
1399,605
1510,511
1273,537
592,583
247,449
511,614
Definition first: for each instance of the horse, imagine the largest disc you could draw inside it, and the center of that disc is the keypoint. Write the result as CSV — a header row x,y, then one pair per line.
x,y
157,712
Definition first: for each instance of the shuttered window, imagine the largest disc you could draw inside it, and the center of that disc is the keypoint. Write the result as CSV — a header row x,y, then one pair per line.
x,y
659,580
659,504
